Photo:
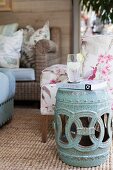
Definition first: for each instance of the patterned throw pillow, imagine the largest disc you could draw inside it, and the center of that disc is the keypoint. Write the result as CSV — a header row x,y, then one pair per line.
x,y
8,29
98,64
41,33
10,47
31,37
27,57
27,33
27,52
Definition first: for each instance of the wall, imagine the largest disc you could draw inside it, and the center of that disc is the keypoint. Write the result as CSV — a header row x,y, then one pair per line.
x,y
37,12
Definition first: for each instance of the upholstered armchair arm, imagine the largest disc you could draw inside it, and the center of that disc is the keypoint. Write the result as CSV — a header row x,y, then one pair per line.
x,y
53,74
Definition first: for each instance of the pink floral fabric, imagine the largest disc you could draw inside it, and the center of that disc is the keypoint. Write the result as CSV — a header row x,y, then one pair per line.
x,y
49,78
104,71
98,64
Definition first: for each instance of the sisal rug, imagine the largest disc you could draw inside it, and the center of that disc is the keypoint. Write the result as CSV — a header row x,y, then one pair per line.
x,y
21,147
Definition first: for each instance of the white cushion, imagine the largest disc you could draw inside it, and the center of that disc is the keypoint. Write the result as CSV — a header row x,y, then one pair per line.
x,y
8,29
10,47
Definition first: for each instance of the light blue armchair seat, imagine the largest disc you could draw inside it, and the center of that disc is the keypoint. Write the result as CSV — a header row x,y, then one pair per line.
x,y
7,91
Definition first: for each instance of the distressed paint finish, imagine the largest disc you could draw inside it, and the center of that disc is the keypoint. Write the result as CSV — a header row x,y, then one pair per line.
x,y
83,126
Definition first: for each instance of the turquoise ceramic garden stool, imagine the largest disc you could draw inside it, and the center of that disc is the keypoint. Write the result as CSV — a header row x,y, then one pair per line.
x,y
83,126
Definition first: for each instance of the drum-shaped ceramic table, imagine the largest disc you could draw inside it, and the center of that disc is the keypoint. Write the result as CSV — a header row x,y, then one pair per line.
x,y
83,126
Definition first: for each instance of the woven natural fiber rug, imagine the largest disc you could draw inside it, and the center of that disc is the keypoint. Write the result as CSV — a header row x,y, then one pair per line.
x,y
21,147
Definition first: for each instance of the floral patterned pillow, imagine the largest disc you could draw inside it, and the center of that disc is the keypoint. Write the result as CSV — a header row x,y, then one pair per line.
x,y
98,64
31,37
41,33
94,46
10,47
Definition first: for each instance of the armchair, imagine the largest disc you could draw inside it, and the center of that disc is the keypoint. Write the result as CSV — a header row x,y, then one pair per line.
x,y
49,78
45,56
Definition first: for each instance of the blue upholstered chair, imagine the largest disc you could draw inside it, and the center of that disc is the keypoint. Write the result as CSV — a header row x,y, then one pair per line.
x,y
7,91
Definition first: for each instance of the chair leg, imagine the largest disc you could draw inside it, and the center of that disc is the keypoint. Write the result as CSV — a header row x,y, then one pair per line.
x,y
44,128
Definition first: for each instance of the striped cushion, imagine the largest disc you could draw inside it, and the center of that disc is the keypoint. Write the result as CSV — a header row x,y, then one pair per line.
x,y
8,29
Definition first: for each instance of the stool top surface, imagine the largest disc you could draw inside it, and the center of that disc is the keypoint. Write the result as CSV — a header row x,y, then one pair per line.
x,y
83,96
